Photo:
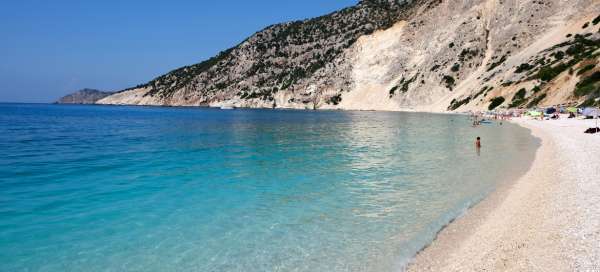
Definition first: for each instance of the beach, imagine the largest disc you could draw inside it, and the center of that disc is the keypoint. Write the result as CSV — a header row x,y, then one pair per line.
x,y
545,220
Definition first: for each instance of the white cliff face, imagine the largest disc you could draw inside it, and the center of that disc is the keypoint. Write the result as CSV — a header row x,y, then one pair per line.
x,y
484,40
374,71
434,56
131,97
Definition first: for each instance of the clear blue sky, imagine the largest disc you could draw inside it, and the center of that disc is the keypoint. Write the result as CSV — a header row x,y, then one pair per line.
x,y
50,48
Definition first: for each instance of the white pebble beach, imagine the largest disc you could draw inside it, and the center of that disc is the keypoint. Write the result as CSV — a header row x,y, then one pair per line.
x,y
546,220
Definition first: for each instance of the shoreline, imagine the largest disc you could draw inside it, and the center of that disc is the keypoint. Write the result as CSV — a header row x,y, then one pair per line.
x,y
539,221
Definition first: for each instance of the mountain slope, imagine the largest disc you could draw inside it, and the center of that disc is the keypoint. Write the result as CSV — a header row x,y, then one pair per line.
x,y
426,55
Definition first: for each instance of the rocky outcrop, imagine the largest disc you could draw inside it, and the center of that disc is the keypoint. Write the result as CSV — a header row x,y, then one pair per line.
x,y
84,96
421,55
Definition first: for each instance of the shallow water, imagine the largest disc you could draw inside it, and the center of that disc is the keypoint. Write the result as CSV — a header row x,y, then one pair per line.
x,y
95,188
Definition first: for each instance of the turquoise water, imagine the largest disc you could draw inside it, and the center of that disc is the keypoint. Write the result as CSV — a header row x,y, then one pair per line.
x,y
94,188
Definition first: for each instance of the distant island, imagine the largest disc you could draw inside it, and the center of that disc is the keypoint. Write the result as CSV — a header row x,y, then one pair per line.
x,y
84,96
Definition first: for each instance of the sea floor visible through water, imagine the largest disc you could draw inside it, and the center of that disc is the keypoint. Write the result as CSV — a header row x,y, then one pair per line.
x,y
106,188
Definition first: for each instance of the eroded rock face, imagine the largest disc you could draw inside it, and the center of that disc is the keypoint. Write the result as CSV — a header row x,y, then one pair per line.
x,y
85,96
420,55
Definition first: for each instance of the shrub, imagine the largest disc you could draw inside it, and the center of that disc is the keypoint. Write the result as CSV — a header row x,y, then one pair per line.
x,y
480,92
455,67
586,68
523,67
584,90
457,104
587,86
467,54
588,103
495,102
558,55
575,49
596,20
336,99
536,101
497,63
449,81
548,72
520,94
404,87
393,91
519,98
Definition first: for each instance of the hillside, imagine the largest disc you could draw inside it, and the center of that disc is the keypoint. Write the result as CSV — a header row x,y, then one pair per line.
x,y
84,96
420,55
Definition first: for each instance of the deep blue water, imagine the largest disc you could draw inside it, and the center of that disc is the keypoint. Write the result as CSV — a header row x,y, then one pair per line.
x,y
100,188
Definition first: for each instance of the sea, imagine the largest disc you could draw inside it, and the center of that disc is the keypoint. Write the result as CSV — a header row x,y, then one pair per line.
x,y
122,188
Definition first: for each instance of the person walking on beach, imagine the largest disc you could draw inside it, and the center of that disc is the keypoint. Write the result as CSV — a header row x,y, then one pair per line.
x,y
478,143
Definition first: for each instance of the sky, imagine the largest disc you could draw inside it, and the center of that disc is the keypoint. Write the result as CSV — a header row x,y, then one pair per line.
x,y
52,48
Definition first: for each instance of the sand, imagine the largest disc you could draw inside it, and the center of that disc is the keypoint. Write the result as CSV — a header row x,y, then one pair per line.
x,y
546,220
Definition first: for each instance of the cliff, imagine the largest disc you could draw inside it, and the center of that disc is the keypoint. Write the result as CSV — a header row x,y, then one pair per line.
x,y
421,55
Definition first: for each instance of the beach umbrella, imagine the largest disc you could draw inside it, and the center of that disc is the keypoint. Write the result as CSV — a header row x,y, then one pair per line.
x,y
550,110
572,109
593,112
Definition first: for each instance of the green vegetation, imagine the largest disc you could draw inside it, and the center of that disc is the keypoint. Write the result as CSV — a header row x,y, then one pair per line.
x,y
264,94
497,63
536,89
455,67
406,84
596,20
480,92
524,67
588,86
495,102
579,49
457,104
449,81
585,69
558,55
280,55
467,54
393,90
336,99
548,72
575,49
403,85
520,94
536,101
590,102
506,84
519,98
178,78
582,47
